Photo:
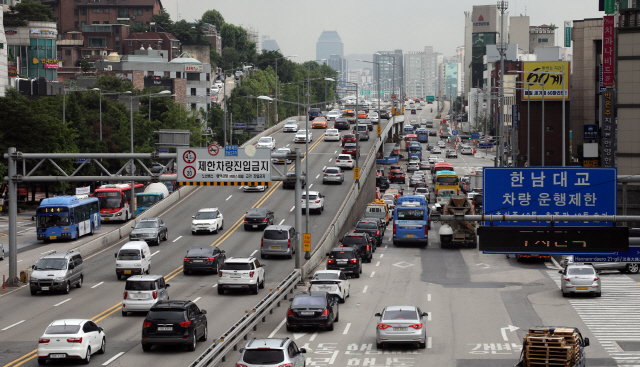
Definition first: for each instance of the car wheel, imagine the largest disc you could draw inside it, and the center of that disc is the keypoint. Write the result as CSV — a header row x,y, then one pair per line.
x,y
222,225
103,347
379,345
192,346
205,334
599,294
193,232
357,275
79,285
158,240
254,290
220,290
166,236
42,361
564,294
633,268
337,317
261,284
34,292
87,358
146,348
263,256
124,313
330,327
68,288
215,231
185,272
290,329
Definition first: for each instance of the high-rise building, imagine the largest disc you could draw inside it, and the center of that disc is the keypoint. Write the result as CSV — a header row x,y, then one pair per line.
x,y
468,38
519,33
4,66
329,44
485,31
420,73
394,78
269,44
340,65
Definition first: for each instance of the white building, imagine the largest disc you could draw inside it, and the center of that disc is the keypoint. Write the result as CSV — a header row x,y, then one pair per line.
x,y
4,66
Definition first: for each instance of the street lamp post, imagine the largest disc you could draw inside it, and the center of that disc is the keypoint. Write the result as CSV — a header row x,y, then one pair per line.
x,y
224,96
106,94
306,144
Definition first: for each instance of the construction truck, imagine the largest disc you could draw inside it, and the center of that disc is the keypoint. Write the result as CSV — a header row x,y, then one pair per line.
x,y
458,232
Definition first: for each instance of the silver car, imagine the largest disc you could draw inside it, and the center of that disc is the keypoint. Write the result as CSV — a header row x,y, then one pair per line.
x,y
580,278
143,291
290,125
151,230
401,325
271,353
332,174
413,166
415,178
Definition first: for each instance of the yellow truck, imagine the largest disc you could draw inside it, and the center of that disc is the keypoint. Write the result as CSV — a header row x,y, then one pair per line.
x,y
377,209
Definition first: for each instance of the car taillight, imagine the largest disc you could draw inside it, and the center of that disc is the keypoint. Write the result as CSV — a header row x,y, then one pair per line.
x,y
220,273
339,287
289,313
125,295
383,326
74,340
238,364
43,340
251,274
245,220
394,229
378,232
595,279
318,201
325,175
354,261
286,365
186,259
368,248
184,324
426,230
331,261
262,242
155,294
211,259
567,279
350,161
326,312
289,243
146,324
264,220
416,326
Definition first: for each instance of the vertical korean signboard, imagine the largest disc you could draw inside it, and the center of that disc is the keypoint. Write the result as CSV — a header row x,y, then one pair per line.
x,y
607,50
607,108
567,33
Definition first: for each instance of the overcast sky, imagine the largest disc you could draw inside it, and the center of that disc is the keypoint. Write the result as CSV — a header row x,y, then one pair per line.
x,y
367,26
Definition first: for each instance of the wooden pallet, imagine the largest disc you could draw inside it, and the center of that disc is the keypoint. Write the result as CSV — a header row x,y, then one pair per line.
x,y
540,363
549,353
539,332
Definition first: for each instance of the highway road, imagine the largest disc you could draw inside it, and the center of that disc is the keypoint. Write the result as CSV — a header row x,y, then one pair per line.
x,y
24,317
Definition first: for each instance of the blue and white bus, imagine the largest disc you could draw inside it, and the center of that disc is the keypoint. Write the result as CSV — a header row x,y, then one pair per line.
x,y
415,150
67,217
423,135
411,221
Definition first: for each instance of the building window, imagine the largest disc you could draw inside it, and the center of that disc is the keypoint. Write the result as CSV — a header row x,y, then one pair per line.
x,y
137,11
74,36
83,11
106,11
178,74
194,77
123,13
208,92
193,91
76,25
543,40
82,24
96,22
130,43
107,22
193,107
95,10
76,12
67,52
97,42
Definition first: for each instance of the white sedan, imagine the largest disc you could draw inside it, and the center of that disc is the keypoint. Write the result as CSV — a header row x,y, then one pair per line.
x,y
316,202
332,135
266,142
301,136
71,339
291,125
373,116
332,115
345,161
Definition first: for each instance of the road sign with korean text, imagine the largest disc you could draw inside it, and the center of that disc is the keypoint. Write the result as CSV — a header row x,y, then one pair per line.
x,y
549,191
198,165
306,242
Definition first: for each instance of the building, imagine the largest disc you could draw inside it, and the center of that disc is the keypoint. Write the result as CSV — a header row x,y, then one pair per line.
x,y
340,65
392,74
4,65
414,74
541,36
71,15
7,3
485,31
519,33
253,35
32,50
156,40
452,87
213,36
468,39
329,43
268,44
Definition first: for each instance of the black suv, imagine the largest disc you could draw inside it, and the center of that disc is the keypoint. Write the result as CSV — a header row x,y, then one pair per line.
x,y
312,309
290,180
203,258
372,228
174,322
346,259
382,182
258,218
313,113
361,241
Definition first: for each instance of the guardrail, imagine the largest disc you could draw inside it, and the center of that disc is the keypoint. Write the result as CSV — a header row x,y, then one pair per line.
x,y
237,333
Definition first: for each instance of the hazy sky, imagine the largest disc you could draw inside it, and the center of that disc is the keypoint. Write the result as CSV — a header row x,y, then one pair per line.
x,y
367,26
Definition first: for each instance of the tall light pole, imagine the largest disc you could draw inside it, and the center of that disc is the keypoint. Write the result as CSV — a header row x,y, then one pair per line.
x,y
306,145
159,94
503,5
378,66
224,96
276,79
106,94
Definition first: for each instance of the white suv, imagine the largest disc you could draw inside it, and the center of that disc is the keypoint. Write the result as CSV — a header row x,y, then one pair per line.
x,y
267,142
241,273
316,201
290,125
208,219
345,161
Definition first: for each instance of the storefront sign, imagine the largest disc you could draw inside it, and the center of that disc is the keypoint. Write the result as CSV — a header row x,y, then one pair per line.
x,y
193,68
607,107
10,31
554,84
607,50
43,31
51,66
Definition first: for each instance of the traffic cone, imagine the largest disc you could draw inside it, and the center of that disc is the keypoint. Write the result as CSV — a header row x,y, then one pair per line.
x,y
455,146
448,140
474,151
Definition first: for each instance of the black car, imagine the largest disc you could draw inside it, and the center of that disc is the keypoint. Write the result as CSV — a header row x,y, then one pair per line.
x,y
207,258
384,114
372,228
361,241
172,323
433,133
341,123
290,180
347,259
157,168
382,182
312,309
430,146
313,113
413,111
258,218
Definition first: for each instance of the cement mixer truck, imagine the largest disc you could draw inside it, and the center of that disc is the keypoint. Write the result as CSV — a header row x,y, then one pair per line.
x,y
152,194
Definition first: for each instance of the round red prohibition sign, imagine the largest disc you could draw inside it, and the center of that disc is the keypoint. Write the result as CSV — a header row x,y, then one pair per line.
x,y
189,156
214,149
189,172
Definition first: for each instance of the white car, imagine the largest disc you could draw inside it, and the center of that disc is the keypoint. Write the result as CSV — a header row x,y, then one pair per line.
x,y
301,136
266,142
436,150
331,281
345,161
316,201
332,135
332,115
250,188
219,85
214,90
208,220
241,273
280,156
71,339
290,126
432,159
374,117
442,144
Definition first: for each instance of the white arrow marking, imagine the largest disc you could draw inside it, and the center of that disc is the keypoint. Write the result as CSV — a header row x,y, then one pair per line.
x,y
298,335
503,330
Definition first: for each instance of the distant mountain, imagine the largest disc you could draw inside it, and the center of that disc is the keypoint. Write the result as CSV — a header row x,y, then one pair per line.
x,y
353,64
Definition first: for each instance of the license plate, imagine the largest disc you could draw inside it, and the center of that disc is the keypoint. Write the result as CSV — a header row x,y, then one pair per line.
x,y
198,261
275,247
235,276
306,313
45,288
255,226
399,329
52,237
57,355
582,288
324,288
409,235
168,328
127,271
106,218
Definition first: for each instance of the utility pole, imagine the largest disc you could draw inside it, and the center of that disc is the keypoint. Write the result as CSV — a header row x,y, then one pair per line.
x,y
502,6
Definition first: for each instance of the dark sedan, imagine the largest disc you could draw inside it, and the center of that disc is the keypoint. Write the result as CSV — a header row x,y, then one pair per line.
x,y
341,124
384,114
433,133
207,258
312,309
382,182
258,218
397,176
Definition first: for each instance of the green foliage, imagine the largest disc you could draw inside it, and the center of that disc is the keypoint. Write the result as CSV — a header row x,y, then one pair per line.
x,y
138,27
213,17
27,10
85,66
215,58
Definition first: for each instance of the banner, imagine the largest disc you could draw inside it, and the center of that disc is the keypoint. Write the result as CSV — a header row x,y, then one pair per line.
x,y
567,33
554,84
607,108
607,50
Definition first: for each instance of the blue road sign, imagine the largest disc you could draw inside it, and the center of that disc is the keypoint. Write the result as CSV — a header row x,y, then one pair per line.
x,y
230,150
162,150
239,125
549,191
633,255
485,145
81,160
454,132
475,136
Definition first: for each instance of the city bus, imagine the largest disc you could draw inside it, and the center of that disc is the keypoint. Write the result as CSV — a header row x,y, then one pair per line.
x,y
171,185
115,201
415,150
440,166
409,138
423,135
67,217
447,180
411,221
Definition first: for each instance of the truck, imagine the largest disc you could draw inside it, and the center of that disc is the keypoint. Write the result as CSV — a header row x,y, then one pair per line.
x,y
475,181
458,232
152,194
390,154
553,345
378,209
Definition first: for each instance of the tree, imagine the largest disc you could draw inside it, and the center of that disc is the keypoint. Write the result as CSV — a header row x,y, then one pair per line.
x,y
27,10
163,20
213,17
85,66
138,27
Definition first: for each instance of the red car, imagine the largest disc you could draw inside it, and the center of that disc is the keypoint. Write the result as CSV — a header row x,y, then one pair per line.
x,y
350,148
396,175
348,138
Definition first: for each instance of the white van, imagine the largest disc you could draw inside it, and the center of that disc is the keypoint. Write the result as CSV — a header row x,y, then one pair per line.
x,y
134,258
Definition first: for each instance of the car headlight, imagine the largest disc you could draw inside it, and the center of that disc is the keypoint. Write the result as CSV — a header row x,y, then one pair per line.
x,y
59,279
119,214
138,264
34,279
193,223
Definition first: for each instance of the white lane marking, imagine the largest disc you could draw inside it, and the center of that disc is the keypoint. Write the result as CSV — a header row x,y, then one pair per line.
x,y
282,221
240,188
333,357
313,337
330,159
317,176
58,304
429,342
310,185
364,290
254,252
336,152
177,239
287,145
323,168
10,326
381,255
429,297
154,253
372,274
429,316
385,246
229,197
113,359
95,286
215,285
196,300
378,263
19,260
293,207
277,328
346,329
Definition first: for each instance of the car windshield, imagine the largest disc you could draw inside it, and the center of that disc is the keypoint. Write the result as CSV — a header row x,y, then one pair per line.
x,y
400,315
422,190
109,200
345,157
144,285
199,252
282,150
332,131
129,255
410,214
148,224
273,234
147,200
206,215
326,276
263,356
447,180
237,266
309,302
332,170
62,329
311,197
171,315
580,271
365,225
264,140
51,264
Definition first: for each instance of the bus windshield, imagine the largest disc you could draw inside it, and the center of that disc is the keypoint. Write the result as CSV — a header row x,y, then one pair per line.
x,y
110,200
54,220
415,149
410,214
447,180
